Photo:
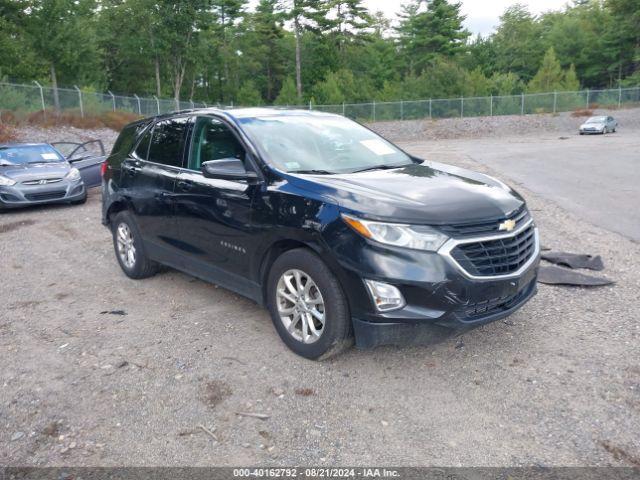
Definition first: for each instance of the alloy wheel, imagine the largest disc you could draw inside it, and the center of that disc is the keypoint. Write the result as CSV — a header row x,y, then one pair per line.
x,y
126,248
300,306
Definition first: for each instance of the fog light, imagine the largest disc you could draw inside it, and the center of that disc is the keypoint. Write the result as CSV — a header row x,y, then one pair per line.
x,y
385,297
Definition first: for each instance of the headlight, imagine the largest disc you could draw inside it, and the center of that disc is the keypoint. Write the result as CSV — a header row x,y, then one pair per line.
x,y
74,174
6,182
417,237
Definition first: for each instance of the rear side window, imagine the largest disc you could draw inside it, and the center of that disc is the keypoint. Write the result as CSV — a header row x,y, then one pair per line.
x,y
127,138
142,150
167,142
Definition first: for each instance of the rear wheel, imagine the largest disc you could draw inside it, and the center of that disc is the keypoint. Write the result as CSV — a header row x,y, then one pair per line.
x,y
129,249
307,305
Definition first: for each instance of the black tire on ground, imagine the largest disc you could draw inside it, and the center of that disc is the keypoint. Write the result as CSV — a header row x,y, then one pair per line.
x,y
337,335
143,267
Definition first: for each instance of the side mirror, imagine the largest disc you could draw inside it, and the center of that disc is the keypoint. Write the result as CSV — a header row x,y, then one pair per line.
x,y
228,169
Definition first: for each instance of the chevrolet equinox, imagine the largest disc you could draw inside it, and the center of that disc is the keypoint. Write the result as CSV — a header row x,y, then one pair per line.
x,y
338,232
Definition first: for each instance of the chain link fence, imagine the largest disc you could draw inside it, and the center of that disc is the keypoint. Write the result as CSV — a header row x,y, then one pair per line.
x,y
27,99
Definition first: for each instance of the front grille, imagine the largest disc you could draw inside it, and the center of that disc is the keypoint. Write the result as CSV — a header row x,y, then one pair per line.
x,y
475,229
485,308
42,181
500,256
46,195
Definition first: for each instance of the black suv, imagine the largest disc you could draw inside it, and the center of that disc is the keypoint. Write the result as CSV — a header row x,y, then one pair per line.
x,y
337,231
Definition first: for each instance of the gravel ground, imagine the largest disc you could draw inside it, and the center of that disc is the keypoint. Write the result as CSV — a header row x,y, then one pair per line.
x,y
67,134
102,370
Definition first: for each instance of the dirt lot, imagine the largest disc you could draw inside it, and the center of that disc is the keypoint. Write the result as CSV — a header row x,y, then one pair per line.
x,y
98,369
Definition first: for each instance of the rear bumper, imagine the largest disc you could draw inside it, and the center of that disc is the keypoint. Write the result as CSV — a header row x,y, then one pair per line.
x,y
18,196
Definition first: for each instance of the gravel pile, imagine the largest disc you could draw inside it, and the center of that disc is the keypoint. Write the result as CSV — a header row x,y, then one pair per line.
x,y
503,126
29,133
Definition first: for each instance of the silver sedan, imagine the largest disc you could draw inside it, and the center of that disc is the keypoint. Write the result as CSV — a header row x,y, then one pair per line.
x,y
600,124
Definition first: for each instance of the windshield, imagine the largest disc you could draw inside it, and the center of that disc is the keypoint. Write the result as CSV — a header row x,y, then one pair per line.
x,y
597,120
29,154
320,144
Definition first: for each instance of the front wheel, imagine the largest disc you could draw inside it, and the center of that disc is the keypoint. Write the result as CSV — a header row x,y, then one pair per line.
x,y
307,305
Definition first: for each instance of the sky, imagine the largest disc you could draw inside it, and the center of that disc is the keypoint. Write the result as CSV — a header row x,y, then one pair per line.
x,y
482,15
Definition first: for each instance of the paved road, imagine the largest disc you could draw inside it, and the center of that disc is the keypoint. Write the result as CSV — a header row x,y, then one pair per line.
x,y
596,177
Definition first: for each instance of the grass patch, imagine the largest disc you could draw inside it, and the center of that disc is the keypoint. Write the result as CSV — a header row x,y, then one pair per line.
x,y
582,112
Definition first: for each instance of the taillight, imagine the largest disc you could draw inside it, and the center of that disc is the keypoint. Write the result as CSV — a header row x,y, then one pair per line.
x,y
103,169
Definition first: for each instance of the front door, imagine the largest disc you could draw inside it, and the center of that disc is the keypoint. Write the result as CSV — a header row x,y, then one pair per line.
x,y
213,216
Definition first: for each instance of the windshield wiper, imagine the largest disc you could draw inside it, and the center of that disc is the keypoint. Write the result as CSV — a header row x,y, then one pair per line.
x,y
380,167
313,172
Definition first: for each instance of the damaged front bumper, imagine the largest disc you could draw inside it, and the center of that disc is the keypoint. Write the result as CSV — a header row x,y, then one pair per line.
x,y
440,298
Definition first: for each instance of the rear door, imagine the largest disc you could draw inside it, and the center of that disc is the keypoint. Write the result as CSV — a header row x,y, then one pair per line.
x,y
213,216
150,174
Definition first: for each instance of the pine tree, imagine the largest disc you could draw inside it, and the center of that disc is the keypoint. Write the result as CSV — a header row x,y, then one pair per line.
x,y
352,18
248,95
268,31
288,95
570,82
306,15
550,76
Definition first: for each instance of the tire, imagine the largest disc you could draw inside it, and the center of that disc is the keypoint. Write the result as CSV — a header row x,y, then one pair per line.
x,y
138,265
336,334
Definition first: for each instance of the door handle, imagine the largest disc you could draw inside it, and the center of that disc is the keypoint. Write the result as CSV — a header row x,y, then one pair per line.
x,y
185,185
132,169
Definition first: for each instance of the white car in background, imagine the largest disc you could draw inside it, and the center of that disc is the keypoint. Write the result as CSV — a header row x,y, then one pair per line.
x,y
601,124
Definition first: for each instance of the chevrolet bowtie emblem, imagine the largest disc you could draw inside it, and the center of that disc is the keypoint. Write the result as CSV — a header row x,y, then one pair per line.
x,y
507,226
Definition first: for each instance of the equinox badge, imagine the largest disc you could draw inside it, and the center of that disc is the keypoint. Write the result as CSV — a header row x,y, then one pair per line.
x,y
507,225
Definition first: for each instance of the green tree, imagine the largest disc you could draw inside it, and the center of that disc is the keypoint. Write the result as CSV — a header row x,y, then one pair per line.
x,y
570,82
436,31
518,43
352,18
248,95
62,33
18,60
288,94
268,35
550,77
623,37
306,15
329,92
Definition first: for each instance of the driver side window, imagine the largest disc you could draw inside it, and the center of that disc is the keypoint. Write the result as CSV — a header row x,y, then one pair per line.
x,y
212,140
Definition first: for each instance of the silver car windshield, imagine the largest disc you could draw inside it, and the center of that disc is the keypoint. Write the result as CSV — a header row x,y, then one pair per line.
x,y
29,154
597,120
320,144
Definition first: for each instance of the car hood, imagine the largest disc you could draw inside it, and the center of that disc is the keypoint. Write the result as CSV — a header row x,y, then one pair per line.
x,y
35,171
427,193
592,125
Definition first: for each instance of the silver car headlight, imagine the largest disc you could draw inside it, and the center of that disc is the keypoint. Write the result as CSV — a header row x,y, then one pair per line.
x,y
74,174
416,237
6,182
